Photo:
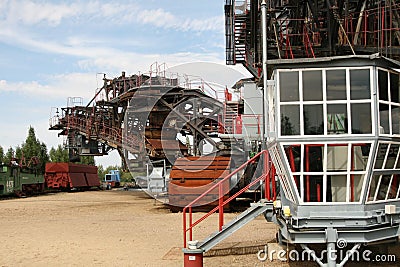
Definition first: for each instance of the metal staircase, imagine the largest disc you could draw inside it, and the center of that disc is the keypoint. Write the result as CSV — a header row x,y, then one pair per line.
x,y
245,217
267,182
231,112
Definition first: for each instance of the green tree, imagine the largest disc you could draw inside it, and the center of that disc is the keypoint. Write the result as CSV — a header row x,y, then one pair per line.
x,y
88,160
9,155
43,156
1,155
18,152
100,171
33,148
59,154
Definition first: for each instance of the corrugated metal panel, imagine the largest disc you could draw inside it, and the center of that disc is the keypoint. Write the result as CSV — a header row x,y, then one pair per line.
x,y
92,179
78,179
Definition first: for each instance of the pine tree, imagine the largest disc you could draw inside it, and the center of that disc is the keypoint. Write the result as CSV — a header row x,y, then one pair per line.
x,y
9,155
1,155
88,160
33,148
59,154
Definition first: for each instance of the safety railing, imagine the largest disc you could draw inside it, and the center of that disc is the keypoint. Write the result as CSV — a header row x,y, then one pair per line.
x,y
267,177
372,27
242,123
111,134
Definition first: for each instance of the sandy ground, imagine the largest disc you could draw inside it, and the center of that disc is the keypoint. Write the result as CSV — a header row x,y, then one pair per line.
x,y
115,228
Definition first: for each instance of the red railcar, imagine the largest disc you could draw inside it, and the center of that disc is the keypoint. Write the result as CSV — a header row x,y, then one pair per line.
x,y
63,175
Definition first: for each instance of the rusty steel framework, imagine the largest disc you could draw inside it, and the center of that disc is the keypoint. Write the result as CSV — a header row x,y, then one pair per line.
x,y
310,29
140,116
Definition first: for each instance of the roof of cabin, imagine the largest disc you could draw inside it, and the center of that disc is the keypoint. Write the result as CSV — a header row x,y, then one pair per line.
x,y
339,61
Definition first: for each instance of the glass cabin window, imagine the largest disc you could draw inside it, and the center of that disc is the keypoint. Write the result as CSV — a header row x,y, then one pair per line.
x,y
313,158
313,119
337,119
360,84
337,191
290,120
337,158
336,84
389,106
383,187
325,102
312,85
395,112
361,122
313,188
328,172
394,87
384,119
394,187
391,156
383,85
289,86
381,155
356,183
293,154
359,156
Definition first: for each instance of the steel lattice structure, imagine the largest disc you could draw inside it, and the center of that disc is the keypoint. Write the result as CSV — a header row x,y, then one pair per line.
x,y
311,29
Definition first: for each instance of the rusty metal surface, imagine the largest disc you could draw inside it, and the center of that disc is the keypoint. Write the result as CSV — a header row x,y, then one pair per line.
x,y
62,175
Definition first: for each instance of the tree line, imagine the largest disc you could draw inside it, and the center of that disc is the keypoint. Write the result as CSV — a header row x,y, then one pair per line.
x,y
33,147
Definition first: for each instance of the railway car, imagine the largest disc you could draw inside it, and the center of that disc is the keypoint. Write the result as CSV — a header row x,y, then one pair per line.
x,y
67,176
19,180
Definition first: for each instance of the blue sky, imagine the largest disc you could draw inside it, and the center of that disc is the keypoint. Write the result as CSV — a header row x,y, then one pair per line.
x,y
51,50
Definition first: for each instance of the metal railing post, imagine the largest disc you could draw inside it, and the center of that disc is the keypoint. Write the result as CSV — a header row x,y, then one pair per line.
x,y
220,206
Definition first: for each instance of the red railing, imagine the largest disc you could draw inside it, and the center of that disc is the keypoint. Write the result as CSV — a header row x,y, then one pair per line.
x,y
267,176
111,134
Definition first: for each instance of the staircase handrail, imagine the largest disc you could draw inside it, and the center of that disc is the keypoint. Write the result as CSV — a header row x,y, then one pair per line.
x,y
221,203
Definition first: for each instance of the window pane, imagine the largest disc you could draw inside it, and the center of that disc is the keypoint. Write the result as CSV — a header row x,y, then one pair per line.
x,y
394,187
356,183
395,119
360,155
313,119
313,159
337,188
392,155
394,87
312,85
383,85
337,158
383,187
384,119
289,86
336,84
313,188
293,154
337,119
361,118
372,187
290,120
380,156
359,84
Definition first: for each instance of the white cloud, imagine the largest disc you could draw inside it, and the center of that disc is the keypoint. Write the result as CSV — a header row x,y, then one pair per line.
x,y
29,13
132,62
57,87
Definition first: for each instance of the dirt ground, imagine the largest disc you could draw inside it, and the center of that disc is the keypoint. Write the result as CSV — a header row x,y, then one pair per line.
x,y
115,228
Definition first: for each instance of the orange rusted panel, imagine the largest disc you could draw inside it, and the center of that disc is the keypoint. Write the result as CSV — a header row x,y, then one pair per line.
x,y
192,176
68,175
